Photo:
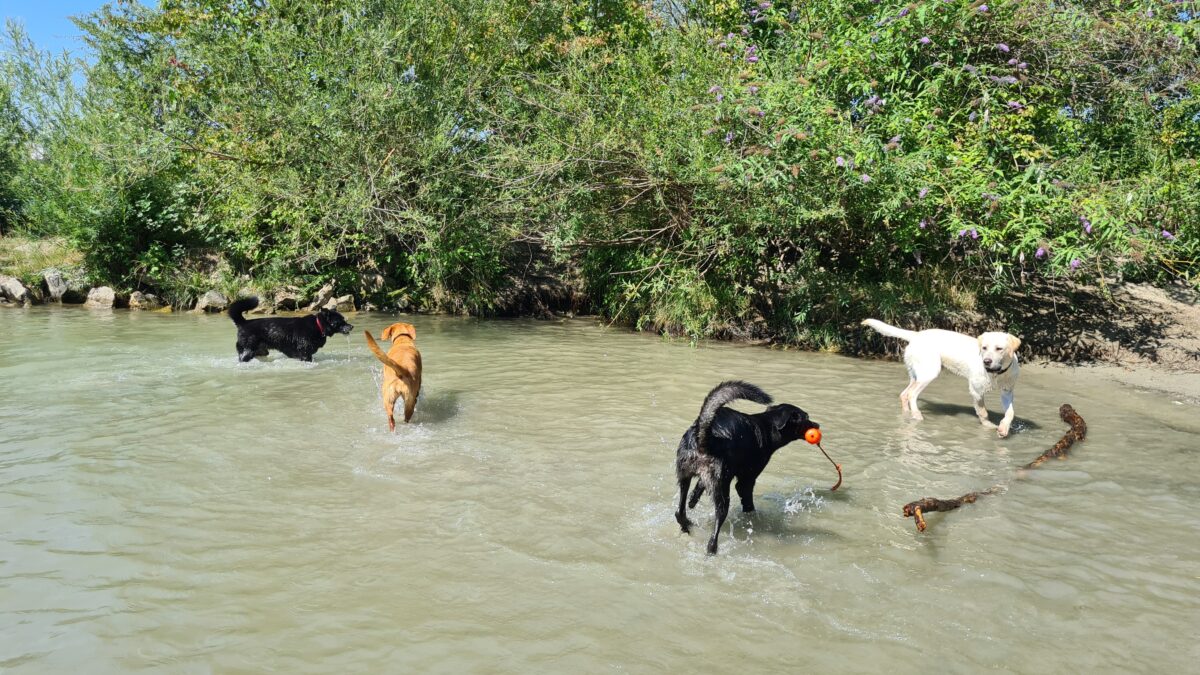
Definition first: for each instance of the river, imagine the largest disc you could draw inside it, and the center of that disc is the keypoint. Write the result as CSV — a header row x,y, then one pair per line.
x,y
166,508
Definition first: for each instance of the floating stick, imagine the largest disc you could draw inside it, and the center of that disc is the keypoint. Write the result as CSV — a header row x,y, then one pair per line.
x,y
1077,432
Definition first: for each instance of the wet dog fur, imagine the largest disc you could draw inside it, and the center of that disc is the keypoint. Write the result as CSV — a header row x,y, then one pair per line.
x,y
401,371
724,444
297,337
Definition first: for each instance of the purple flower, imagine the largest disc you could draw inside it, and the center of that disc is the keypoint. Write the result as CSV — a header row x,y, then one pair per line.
x,y
922,193
1012,62
972,117
720,97
1087,224
1041,253
1022,66
714,89
925,40
721,45
865,178
903,13
983,8
1002,47
1075,263
752,59
760,113
1168,236
974,233
728,138
1013,105
962,233
764,5
923,223
753,12
753,89
840,161
969,68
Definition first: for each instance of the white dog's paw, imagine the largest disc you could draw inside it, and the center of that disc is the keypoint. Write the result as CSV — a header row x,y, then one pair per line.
x,y
918,416
1002,431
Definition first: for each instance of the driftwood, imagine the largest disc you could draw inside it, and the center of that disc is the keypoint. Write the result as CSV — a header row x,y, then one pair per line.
x,y
1077,432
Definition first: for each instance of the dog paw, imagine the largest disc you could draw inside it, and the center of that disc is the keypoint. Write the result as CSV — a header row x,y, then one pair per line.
x,y
918,416
1002,432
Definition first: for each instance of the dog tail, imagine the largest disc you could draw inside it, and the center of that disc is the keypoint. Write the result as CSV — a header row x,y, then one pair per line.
x,y
890,331
382,356
239,306
721,395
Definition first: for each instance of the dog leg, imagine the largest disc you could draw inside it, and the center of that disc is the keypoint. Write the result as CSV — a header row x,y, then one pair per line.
x,y
721,500
982,413
904,396
914,392
1006,401
410,406
681,514
745,490
696,495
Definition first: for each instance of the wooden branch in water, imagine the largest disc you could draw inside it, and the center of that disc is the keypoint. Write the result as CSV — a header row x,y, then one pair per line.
x,y
930,504
1077,432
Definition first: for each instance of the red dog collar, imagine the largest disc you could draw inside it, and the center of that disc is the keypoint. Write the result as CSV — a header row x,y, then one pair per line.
x,y
319,326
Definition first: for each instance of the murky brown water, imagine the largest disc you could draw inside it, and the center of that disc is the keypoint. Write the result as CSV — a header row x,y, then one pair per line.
x,y
166,508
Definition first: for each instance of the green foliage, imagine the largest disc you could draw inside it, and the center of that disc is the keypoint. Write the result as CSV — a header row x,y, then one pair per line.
x,y
709,167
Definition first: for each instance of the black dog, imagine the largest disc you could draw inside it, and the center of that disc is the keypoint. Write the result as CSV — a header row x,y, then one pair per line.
x,y
298,338
723,444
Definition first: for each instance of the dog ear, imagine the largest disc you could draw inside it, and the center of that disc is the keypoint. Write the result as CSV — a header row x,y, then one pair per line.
x,y
387,333
1013,343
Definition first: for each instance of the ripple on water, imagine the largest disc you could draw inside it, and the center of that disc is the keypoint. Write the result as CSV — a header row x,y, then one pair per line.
x,y
167,507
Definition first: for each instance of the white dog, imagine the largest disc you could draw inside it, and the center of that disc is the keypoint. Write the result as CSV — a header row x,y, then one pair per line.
x,y
986,361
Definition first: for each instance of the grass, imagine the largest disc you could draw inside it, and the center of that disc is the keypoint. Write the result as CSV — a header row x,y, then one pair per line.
x,y
26,259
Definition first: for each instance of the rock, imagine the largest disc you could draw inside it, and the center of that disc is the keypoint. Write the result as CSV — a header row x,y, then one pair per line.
x,y
77,292
13,289
323,297
342,304
140,300
287,298
368,307
55,285
101,297
212,301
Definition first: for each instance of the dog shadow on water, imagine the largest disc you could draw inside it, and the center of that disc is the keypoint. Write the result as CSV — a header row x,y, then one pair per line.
x,y
781,517
931,408
435,407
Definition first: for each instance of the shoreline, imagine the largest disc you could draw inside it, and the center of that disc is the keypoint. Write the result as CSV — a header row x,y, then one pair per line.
x,y
1138,373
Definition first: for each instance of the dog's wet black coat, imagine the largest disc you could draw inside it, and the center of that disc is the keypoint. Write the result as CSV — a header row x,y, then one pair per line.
x,y
297,337
724,444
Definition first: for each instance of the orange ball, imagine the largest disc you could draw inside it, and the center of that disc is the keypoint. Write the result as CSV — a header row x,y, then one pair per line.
x,y
813,435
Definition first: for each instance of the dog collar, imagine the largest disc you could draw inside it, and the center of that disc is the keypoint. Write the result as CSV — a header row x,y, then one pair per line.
x,y
319,326
1001,372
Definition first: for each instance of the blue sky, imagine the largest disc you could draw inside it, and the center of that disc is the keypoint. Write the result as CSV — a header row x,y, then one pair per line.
x,y
47,21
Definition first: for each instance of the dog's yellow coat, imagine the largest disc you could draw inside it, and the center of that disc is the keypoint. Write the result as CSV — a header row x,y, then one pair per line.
x,y
402,369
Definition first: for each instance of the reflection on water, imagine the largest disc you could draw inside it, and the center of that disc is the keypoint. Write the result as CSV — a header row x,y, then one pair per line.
x,y
166,507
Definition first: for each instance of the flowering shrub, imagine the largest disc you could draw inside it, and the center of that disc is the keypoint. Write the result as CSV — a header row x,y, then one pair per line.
x,y
709,166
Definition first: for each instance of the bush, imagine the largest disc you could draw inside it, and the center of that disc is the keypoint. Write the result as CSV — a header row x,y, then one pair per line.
x,y
709,167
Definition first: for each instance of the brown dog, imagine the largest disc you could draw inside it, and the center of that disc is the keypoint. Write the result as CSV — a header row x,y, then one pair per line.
x,y
402,369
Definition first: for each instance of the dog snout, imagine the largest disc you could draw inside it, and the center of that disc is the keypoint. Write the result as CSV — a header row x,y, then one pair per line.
x,y
987,362
347,328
